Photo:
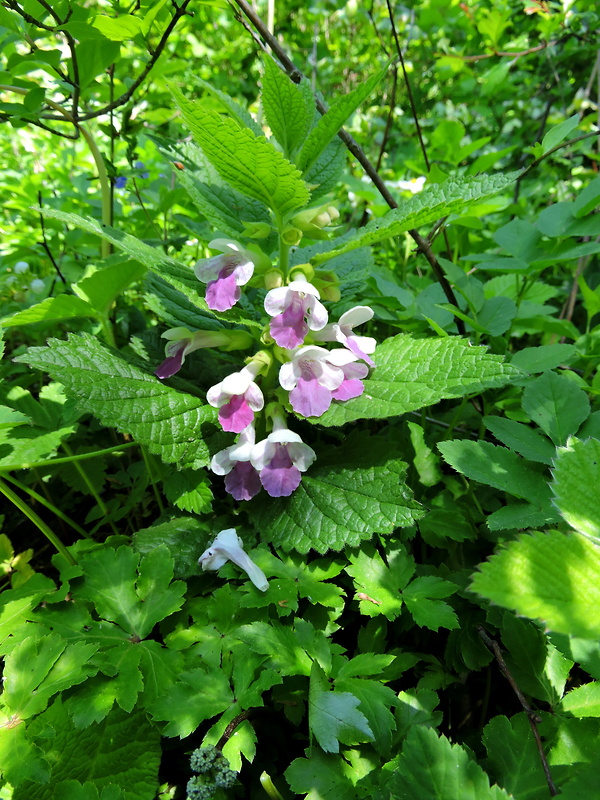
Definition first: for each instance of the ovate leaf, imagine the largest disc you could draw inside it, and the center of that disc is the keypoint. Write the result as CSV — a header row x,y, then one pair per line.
x,y
576,483
552,577
350,493
52,309
435,201
557,405
121,395
247,162
289,107
333,716
413,373
331,122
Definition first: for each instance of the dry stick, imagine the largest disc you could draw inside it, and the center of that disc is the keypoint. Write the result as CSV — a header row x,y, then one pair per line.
x,y
180,11
296,75
532,716
413,107
45,244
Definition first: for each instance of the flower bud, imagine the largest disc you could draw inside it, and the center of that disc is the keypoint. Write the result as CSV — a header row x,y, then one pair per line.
x,y
273,279
291,235
256,230
302,272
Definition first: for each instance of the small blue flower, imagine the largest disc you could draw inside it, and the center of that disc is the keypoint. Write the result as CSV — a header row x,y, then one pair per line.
x,y
120,182
140,165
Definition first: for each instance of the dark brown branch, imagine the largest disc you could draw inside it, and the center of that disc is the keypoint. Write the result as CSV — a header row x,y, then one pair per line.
x,y
46,246
411,98
532,716
243,715
180,11
28,18
296,75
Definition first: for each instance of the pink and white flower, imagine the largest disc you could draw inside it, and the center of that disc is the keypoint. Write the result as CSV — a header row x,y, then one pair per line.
x,y
237,397
315,377
295,310
341,332
281,459
229,547
181,342
225,274
242,481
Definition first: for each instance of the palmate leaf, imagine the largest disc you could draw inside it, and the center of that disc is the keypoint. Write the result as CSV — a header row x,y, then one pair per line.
x,y
554,577
333,716
430,767
413,373
178,427
438,200
350,493
247,162
123,750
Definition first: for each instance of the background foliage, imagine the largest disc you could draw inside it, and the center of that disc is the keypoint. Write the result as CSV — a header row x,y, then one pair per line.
x,y
447,535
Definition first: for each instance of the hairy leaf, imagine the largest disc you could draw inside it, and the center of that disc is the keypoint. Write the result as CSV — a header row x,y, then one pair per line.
x,y
435,201
289,107
575,485
413,373
173,425
552,577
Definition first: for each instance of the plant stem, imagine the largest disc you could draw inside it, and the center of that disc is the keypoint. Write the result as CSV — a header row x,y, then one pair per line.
x,y
47,504
151,480
51,462
39,523
99,501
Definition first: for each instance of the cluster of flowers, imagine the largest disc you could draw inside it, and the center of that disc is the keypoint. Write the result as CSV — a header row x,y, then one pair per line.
x,y
312,375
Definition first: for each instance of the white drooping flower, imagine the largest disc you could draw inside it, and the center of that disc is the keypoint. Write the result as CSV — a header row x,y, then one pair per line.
x,y
229,547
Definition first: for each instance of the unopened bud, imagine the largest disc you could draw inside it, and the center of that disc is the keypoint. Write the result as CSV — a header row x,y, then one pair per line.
x,y
302,272
256,230
273,279
291,235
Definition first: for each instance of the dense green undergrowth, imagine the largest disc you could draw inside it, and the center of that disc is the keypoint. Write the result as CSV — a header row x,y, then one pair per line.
x,y
411,608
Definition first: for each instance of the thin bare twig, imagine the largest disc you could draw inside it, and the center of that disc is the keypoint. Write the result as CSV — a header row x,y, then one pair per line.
x,y
46,246
296,75
532,716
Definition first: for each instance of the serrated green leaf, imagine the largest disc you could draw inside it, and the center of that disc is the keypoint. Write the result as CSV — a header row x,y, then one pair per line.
x,y
552,577
351,492
584,701
435,201
576,478
10,418
279,643
39,668
53,309
136,602
331,122
333,716
185,537
545,357
289,107
170,423
198,696
379,585
513,757
413,373
189,490
498,467
20,759
102,287
375,703
123,750
430,767
247,162
520,438
74,790
557,405
323,776
175,308
232,106
423,599
327,169
521,516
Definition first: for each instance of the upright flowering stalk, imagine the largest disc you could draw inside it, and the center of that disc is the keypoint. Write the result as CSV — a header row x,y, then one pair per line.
x,y
295,310
342,332
182,341
281,458
315,376
242,481
237,397
229,547
225,274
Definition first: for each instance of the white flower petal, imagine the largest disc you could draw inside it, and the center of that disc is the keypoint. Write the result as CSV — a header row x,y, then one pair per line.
x,y
222,463
356,316
277,300
318,317
302,455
